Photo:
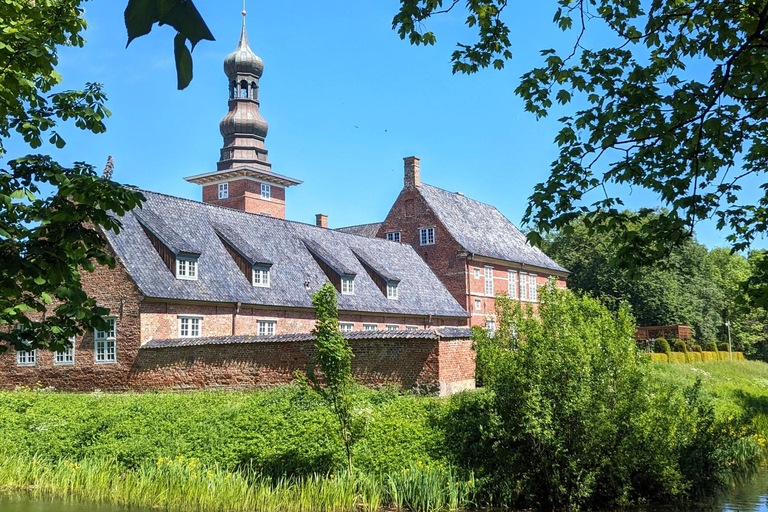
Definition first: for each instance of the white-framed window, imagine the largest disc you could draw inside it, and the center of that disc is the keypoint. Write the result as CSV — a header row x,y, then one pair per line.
x,y
267,327
346,326
533,289
266,191
186,268
512,284
489,281
477,272
392,291
490,326
523,286
393,327
66,356
261,277
347,285
105,343
393,236
26,357
223,190
190,326
411,327
370,327
426,236
478,304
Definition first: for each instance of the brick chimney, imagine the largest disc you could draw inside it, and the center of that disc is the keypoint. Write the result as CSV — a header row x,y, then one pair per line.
x,y
412,173
321,220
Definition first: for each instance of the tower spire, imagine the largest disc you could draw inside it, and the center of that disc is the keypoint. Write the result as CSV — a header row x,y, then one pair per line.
x,y
244,177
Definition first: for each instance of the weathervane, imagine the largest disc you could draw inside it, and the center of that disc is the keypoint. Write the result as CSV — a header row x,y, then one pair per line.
x,y
243,8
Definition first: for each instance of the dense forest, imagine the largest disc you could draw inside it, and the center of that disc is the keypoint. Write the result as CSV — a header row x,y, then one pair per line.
x,y
692,286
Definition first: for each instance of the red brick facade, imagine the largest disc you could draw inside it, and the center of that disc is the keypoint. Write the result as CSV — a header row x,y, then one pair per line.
x,y
418,364
245,194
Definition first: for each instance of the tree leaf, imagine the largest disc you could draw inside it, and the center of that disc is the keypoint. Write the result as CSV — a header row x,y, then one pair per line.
x,y
183,61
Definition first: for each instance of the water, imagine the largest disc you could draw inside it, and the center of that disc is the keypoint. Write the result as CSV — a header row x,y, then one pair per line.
x,y
750,495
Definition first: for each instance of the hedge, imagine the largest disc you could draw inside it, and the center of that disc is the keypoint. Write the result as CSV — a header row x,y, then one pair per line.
x,y
695,357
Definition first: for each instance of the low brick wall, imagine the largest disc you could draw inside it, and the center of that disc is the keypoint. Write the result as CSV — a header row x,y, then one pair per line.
x,y
431,366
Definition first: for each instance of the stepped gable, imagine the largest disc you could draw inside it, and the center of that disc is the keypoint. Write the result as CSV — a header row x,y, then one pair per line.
x,y
368,230
295,274
482,230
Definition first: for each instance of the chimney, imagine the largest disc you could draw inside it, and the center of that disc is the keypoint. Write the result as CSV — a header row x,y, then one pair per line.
x,y
321,220
412,174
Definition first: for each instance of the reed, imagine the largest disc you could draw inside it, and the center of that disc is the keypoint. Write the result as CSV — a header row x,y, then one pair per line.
x,y
181,484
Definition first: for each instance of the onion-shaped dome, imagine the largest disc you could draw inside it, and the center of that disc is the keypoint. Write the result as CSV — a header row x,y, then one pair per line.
x,y
243,119
243,60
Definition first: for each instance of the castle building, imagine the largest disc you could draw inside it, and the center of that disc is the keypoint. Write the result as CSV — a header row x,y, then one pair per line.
x,y
218,293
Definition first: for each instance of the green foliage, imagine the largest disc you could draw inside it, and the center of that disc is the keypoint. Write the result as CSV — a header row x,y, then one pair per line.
x,y
711,347
182,15
47,241
725,347
334,357
697,348
661,346
680,346
281,431
576,419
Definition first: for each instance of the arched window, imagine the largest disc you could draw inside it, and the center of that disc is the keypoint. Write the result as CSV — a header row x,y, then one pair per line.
x,y
233,90
253,90
244,89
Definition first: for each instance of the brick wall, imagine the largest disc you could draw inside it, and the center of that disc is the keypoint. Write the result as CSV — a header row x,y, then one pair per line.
x,y
245,195
421,365
160,320
113,289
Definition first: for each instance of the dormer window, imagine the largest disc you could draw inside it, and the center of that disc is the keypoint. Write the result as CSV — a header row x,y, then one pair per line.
x,y
261,277
186,268
392,291
347,285
266,191
223,190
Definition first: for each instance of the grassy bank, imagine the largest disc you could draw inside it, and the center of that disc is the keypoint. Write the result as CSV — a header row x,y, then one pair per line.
x,y
279,449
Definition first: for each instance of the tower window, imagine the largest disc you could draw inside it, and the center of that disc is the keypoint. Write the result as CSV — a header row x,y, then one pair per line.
x,y
427,236
26,357
266,191
347,286
244,89
253,90
261,277
105,343
189,326
186,268
224,188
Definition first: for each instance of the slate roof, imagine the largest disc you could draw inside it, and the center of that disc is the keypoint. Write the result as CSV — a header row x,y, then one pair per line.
x,y
158,227
482,230
280,242
368,230
407,334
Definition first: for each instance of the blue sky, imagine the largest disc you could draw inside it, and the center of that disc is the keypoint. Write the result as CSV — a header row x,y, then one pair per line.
x,y
345,100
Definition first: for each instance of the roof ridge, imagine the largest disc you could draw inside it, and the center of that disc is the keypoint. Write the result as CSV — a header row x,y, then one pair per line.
x,y
461,194
358,225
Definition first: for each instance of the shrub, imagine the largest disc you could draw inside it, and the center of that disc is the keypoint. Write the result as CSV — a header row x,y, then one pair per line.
x,y
680,346
724,347
661,346
697,348
710,346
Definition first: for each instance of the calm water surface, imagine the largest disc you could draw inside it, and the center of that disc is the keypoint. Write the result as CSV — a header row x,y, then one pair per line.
x,y
750,495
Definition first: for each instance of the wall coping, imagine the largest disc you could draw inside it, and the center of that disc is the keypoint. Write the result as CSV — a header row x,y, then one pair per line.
x,y
442,333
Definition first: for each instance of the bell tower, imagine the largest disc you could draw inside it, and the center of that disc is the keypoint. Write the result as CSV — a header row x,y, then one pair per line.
x,y
243,178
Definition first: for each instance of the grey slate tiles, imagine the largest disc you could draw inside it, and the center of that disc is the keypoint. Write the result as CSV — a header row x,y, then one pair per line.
x,y
482,230
295,275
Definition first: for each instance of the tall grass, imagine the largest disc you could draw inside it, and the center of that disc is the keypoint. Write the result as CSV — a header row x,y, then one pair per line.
x,y
185,485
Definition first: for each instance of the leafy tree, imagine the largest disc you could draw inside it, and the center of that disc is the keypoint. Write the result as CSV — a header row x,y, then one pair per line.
x,y
578,421
334,359
45,242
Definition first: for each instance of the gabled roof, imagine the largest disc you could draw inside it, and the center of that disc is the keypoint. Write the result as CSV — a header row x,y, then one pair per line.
x,y
481,229
329,259
368,230
240,244
166,234
294,275
376,266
